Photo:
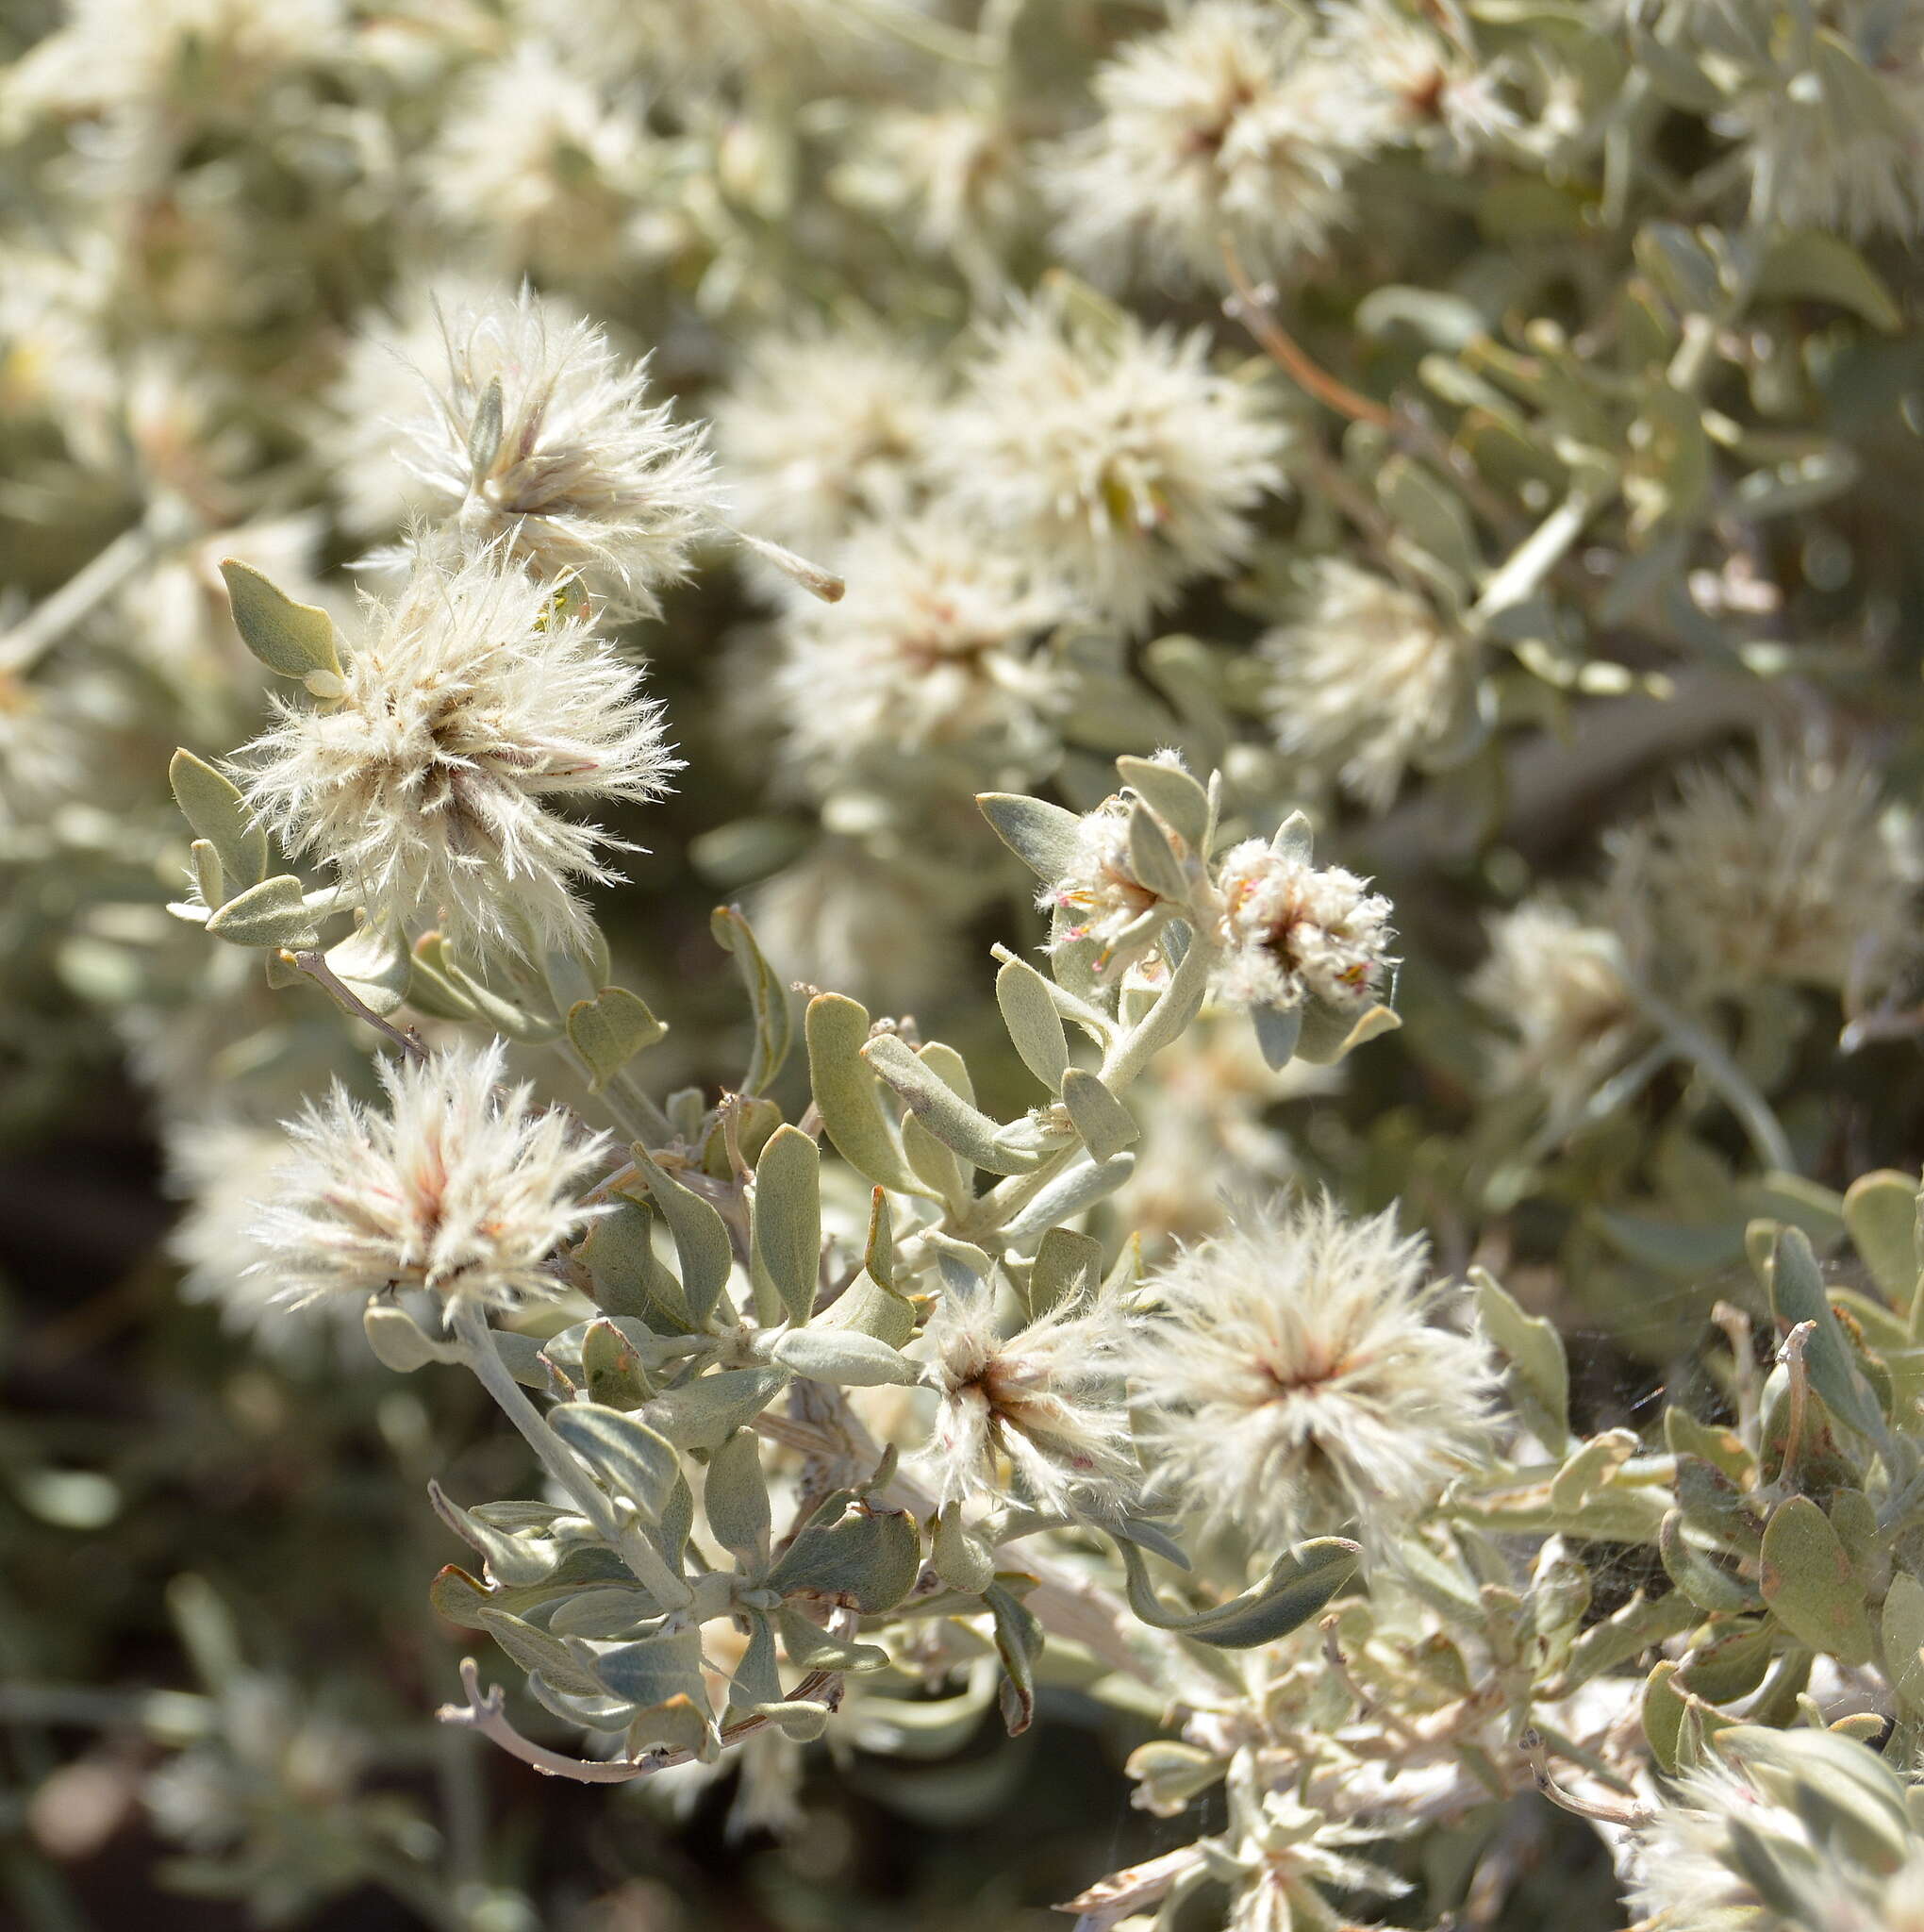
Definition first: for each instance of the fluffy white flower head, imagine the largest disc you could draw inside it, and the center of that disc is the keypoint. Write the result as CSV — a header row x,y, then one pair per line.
x,y
1297,1380
472,702
1783,870
825,431
460,1186
584,477
934,645
1293,931
1364,678
1116,457
1224,122
1047,1399
542,163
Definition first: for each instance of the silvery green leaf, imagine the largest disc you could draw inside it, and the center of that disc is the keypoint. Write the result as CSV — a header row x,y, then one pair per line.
x,y
1295,839
846,1094
1430,515
484,432
1797,1295
627,1457
811,1648
959,1556
735,1498
853,1553
208,876
1151,859
1019,1642
702,1414
1042,836
512,1559
683,1723
1641,1624
1170,1775
1028,1011
865,1307
1813,264
1443,321
878,1250
212,804
296,640
1105,1125
610,1030
511,1019
613,1368
1811,1585
1176,797
786,1222
701,1238
940,1110
757,1680
651,1670
374,965
604,1614
1067,1267
1540,1371
1278,1030
1328,1034
843,1356
273,913
1796,483
1301,1584
1680,264
398,1340
1903,1640
1880,1211
629,1279
1706,1582
533,1649
774,1017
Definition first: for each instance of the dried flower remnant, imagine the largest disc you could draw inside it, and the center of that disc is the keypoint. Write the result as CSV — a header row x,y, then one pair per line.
x,y
1114,457
1294,932
472,702
1047,1399
1365,678
537,439
460,1185
1225,122
934,648
1297,1379
1790,868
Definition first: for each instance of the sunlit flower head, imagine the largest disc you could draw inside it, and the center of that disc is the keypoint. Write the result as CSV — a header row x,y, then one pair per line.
x,y
584,476
1365,678
1297,1378
458,1185
1103,899
1115,457
1292,931
470,707
1229,122
1790,868
544,162
934,646
1554,985
822,431
1047,1399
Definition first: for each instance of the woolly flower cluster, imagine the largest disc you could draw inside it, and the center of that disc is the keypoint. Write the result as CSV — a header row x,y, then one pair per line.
x,y
935,645
461,1187
1296,932
1240,122
1365,678
1045,1399
1113,456
1783,870
472,702
1298,1379
538,440
1787,1832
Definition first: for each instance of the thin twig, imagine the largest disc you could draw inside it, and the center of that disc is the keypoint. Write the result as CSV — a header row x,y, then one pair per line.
x,y
314,964
1249,307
